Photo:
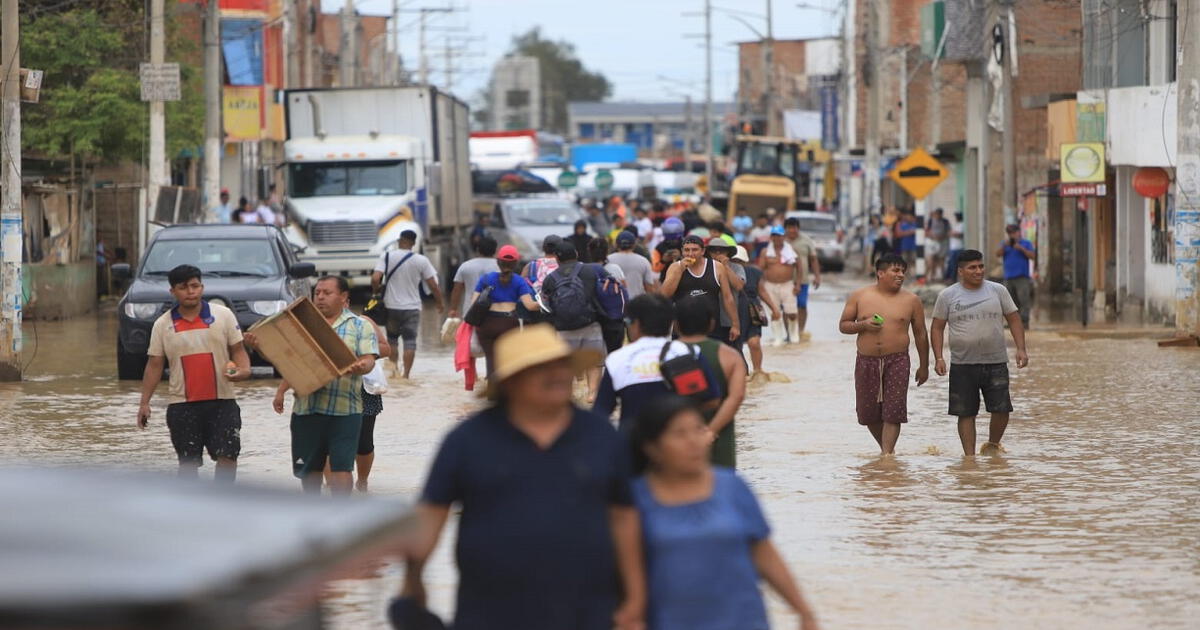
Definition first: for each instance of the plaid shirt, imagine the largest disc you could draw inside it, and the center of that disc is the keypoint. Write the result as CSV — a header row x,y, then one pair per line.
x,y
342,397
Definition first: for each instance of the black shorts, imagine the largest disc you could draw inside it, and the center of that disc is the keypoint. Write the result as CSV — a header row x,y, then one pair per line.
x,y
215,425
403,325
968,381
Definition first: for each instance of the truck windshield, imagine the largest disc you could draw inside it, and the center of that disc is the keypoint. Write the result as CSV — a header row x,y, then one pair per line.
x,y
543,214
766,159
339,179
226,257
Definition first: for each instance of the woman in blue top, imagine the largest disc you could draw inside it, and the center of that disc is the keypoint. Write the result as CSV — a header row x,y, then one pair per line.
x,y
508,288
705,537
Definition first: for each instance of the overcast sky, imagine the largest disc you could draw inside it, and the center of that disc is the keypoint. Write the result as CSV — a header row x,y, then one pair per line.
x,y
632,42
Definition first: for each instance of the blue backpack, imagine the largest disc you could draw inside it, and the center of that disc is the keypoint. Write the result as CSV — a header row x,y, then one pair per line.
x,y
611,296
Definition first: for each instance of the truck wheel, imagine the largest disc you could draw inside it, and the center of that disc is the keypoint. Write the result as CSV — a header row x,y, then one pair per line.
x,y
130,367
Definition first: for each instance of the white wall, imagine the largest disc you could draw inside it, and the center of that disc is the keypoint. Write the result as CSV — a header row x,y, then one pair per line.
x,y
1141,125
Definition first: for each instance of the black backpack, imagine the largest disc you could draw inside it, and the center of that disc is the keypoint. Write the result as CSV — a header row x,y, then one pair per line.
x,y
571,305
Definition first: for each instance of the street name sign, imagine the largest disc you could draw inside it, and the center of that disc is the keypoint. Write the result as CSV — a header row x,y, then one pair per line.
x,y
604,179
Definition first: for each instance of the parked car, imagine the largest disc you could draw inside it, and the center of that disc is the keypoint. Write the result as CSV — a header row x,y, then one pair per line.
x,y
823,229
252,269
525,222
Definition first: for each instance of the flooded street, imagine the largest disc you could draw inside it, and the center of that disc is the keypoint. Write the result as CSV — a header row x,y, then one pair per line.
x,y
1092,519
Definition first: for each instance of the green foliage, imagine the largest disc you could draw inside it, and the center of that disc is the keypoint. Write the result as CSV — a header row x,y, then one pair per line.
x,y
564,78
90,104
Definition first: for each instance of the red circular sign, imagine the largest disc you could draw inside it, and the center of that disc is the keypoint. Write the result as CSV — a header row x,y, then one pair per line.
x,y
1152,182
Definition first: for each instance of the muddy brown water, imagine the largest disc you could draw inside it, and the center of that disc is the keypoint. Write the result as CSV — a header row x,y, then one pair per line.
x,y
1092,519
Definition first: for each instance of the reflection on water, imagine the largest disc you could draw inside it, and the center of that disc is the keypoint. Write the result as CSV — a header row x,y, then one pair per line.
x,y
1090,520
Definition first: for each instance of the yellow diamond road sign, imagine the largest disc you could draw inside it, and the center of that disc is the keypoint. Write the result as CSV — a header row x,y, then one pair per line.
x,y
919,173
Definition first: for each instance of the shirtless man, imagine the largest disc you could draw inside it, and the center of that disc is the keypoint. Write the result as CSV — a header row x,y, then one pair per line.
x,y
881,315
781,272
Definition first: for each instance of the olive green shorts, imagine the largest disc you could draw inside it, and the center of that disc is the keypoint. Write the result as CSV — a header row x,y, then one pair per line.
x,y
317,437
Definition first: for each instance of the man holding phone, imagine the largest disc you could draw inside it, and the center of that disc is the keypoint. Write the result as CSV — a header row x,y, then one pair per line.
x,y
1017,253
202,344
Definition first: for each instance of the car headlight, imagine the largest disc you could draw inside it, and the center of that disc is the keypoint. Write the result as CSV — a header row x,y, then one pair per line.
x,y
141,310
267,308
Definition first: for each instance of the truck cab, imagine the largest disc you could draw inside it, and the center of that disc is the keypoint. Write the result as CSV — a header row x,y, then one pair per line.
x,y
765,175
351,198
366,164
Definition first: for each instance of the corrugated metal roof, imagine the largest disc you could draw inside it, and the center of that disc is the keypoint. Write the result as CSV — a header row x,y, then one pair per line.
x,y
648,110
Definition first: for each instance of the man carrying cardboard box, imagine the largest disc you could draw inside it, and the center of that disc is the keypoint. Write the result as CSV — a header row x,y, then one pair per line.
x,y
326,423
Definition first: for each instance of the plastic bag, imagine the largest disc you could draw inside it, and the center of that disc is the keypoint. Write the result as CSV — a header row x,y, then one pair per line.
x,y
374,382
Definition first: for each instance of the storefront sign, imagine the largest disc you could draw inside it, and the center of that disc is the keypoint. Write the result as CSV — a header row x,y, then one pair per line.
x,y
1082,190
1151,182
242,113
1082,162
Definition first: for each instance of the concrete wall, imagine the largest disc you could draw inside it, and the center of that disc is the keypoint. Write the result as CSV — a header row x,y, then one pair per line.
x,y
59,291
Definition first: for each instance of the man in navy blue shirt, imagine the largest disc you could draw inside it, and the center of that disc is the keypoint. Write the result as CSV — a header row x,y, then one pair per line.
x,y
548,539
1016,253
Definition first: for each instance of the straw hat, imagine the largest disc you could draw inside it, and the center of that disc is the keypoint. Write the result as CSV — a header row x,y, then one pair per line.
x,y
531,346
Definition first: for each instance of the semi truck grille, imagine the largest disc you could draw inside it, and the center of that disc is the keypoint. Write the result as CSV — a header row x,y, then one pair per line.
x,y
338,232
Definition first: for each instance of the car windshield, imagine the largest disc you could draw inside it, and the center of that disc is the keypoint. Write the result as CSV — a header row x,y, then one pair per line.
x,y
338,179
543,214
214,257
822,226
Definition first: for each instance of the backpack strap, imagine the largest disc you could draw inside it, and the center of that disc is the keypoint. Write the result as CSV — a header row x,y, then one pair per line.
x,y
386,257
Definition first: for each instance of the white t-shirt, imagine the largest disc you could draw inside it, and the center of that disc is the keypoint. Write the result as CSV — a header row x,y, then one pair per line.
x,y
761,234
956,235
469,274
638,272
402,293
644,227
261,214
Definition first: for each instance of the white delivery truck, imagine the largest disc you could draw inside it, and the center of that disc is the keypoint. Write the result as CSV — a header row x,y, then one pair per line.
x,y
365,164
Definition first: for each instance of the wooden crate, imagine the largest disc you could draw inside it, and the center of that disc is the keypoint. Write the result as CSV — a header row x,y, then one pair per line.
x,y
303,347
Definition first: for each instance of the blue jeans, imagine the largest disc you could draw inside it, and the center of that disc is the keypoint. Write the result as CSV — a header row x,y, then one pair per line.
x,y
952,266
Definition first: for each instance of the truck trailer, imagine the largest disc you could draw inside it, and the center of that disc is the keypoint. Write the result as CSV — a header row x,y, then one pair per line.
x,y
365,164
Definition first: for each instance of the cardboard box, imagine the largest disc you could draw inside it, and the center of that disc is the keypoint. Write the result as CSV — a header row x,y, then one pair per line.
x,y
303,347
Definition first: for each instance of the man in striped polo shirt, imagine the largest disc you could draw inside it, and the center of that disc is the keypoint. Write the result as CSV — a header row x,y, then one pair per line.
x,y
202,344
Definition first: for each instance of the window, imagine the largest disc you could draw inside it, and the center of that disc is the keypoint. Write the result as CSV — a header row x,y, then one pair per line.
x,y
1162,236
767,159
335,179
516,98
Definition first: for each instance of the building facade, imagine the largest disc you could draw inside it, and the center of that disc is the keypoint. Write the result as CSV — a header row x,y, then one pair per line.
x,y
515,94
657,129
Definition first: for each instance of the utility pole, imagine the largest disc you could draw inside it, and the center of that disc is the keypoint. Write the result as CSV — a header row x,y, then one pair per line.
x,y
1008,147
706,135
212,106
348,53
768,44
158,131
1187,215
874,110
291,38
306,47
11,240
394,60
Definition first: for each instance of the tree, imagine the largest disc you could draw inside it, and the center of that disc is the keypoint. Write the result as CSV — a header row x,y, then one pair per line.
x,y
564,79
90,107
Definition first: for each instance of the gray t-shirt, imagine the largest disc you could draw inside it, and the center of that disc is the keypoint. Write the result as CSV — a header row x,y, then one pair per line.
x,y
975,321
402,292
469,274
638,272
